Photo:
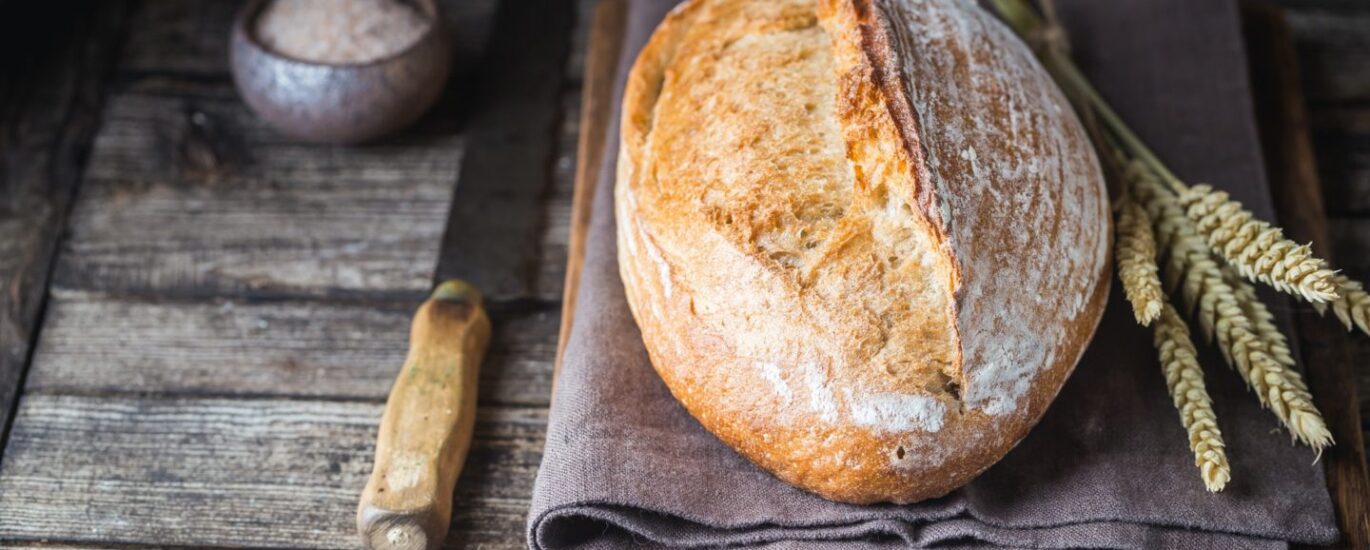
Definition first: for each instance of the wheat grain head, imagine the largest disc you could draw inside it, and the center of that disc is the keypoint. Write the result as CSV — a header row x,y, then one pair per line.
x,y
1262,320
1278,387
1221,315
1136,255
1258,250
1352,305
1185,380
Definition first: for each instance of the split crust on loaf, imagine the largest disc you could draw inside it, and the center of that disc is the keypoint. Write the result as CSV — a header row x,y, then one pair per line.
x,y
866,241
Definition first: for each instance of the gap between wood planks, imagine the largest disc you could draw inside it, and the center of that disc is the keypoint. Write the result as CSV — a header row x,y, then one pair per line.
x,y
52,105
131,417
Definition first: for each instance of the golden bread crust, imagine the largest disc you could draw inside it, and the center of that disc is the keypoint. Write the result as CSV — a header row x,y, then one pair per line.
x,y
826,217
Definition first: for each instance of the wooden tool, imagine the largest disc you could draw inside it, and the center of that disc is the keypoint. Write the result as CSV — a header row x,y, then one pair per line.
x,y
426,429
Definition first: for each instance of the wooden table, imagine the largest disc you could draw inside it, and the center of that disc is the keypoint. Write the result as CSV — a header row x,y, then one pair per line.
x,y
200,318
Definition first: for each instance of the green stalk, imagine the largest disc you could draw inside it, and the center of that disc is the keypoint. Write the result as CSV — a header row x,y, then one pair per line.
x,y
1019,15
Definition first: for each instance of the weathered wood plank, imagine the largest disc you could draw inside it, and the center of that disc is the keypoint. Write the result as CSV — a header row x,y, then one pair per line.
x,y
601,62
64,546
493,525
263,237
181,37
191,38
1292,169
1334,51
201,132
197,197
1344,163
1333,42
43,545
236,207
52,67
95,344
225,472
1351,244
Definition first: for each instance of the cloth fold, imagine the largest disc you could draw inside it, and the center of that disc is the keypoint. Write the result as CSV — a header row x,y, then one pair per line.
x,y
1108,466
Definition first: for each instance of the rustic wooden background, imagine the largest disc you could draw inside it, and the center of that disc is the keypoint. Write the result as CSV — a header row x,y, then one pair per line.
x,y
199,318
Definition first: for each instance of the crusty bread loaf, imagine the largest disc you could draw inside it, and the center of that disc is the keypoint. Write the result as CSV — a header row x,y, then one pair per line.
x,y
865,240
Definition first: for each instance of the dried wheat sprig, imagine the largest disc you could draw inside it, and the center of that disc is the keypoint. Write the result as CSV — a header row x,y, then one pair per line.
x,y
1136,255
1166,216
1185,380
1255,248
1221,316
1258,250
1352,305
1279,388
1262,320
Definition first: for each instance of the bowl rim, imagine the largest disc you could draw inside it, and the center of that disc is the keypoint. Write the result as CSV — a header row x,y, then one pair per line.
x,y
250,11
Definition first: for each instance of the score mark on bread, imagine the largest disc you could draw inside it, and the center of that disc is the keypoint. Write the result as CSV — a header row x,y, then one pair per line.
x,y
865,240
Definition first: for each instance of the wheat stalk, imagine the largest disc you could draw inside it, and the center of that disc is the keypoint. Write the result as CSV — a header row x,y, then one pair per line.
x,y
1256,249
1262,320
1222,316
1195,227
1185,380
1167,219
1136,254
1352,305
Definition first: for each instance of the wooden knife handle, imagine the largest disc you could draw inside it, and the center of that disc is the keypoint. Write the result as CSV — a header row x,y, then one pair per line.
x,y
426,429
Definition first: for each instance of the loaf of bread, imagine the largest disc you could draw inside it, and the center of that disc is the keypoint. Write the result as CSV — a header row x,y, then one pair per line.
x,y
866,241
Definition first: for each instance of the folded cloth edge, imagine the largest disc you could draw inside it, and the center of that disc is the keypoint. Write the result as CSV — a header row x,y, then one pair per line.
x,y
540,520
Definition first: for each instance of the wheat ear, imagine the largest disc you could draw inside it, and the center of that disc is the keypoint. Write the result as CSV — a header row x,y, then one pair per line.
x,y
1258,250
1262,320
1221,315
1166,216
1136,254
1185,380
1352,305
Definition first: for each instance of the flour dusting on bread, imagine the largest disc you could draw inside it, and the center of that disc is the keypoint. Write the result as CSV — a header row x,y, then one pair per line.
x,y
1025,244
897,412
863,239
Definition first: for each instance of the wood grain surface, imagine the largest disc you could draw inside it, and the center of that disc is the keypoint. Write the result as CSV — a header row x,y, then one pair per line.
x,y
196,472
1295,184
327,349
601,63
52,80
1332,45
230,305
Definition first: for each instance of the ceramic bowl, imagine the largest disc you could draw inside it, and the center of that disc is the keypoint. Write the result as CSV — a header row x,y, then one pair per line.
x,y
340,103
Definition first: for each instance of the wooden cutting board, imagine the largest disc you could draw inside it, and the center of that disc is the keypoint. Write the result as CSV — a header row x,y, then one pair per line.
x,y
1293,180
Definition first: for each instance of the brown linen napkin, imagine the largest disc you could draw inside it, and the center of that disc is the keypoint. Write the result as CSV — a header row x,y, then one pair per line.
x,y
1108,467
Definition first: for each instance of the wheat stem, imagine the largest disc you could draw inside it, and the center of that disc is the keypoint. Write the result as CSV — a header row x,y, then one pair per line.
x,y
1136,256
1258,250
1185,380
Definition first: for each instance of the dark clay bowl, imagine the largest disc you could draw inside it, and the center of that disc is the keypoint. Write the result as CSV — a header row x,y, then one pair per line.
x,y
340,103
